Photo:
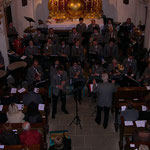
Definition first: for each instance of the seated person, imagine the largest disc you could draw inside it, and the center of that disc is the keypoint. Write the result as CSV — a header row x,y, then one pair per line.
x,y
81,27
92,26
14,115
96,36
61,144
143,135
77,50
64,49
33,115
74,36
29,137
50,48
1,61
31,96
8,136
145,78
38,38
53,36
130,114
31,50
34,73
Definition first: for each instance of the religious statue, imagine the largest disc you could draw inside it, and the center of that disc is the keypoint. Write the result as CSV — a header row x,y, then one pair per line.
x,y
73,9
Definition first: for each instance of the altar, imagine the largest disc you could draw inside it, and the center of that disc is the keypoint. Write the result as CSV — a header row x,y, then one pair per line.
x,y
69,24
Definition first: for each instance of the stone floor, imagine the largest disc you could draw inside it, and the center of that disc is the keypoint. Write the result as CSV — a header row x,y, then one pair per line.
x,y
92,136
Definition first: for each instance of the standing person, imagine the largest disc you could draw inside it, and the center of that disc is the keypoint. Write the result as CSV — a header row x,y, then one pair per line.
x,y
92,26
58,84
81,27
104,92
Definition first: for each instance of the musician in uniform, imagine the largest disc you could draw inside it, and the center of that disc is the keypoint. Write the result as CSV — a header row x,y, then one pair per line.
x,y
34,73
50,48
108,25
31,50
58,84
129,25
145,78
81,27
53,68
64,49
76,76
74,36
92,26
96,36
53,36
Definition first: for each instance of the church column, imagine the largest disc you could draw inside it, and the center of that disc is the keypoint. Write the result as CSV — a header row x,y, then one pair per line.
x,y
4,40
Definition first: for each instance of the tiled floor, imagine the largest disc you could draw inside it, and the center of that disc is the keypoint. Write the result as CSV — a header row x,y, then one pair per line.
x,y
92,136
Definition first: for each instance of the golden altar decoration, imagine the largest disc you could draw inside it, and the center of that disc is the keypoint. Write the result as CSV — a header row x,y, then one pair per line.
x,y
73,9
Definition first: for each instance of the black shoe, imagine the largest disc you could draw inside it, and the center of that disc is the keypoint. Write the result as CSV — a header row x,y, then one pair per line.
x,y
65,111
53,116
98,122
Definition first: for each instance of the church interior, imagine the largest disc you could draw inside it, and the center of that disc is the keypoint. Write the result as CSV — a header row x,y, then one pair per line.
x,y
75,74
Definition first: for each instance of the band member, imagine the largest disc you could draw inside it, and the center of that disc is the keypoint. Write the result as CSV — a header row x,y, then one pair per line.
x,y
76,76
111,49
74,36
145,78
58,84
34,73
64,49
38,38
77,50
108,25
50,48
93,25
53,68
104,92
129,25
96,36
81,27
53,36
31,50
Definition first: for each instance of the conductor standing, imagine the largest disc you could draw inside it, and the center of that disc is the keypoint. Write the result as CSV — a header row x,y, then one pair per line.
x,y
104,92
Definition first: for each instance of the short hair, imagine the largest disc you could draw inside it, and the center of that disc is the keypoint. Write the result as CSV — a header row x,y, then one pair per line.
x,y
13,109
26,126
105,77
81,19
61,68
143,147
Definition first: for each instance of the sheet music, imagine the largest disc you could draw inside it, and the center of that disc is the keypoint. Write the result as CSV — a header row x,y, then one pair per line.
x,y
36,90
1,146
21,90
135,99
20,106
144,108
23,57
13,90
123,108
41,107
1,107
132,145
121,100
91,87
140,123
128,123
148,87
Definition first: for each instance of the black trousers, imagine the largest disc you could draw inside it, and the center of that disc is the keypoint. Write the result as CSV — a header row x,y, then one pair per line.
x,y
55,98
106,115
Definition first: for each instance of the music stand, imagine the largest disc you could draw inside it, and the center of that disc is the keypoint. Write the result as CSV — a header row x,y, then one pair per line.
x,y
76,120
29,20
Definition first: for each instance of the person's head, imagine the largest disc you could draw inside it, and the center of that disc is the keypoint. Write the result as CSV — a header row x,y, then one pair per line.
x,y
51,30
105,77
95,30
109,21
111,29
30,43
111,42
63,42
38,32
143,147
10,24
131,56
26,126
60,69
74,30
75,64
95,43
77,43
114,61
81,20
32,108
57,62
49,41
35,63
128,20
58,141
147,125
96,64
93,22
13,109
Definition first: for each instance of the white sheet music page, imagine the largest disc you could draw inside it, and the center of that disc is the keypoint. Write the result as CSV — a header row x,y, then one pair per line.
x,y
123,108
140,123
1,107
128,123
1,146
13,90
36,90
23,57
144,108
148,87
41,106
132,145
20,106
21,90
